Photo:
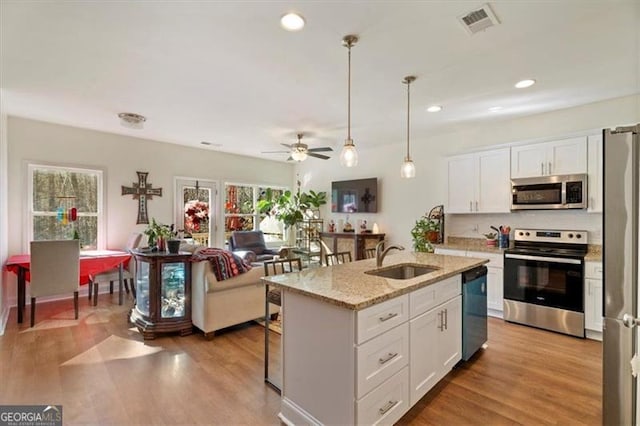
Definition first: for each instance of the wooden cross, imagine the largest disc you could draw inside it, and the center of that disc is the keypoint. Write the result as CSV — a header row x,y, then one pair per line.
x,y
142,191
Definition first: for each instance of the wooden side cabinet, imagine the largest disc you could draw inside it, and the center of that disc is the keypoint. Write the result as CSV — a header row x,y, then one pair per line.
x,y
349,241
163,296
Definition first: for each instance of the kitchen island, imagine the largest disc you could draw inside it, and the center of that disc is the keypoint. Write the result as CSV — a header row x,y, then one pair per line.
x,y
362,349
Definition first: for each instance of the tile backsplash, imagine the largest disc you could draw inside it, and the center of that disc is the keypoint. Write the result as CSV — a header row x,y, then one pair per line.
x,y
474,225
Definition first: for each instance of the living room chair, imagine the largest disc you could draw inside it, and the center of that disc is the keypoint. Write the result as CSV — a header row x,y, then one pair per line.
x,y
337,258
274,296
112,275
55,269
241,242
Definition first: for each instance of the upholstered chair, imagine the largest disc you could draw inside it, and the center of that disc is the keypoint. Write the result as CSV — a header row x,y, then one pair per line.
x,y
55,270
241,242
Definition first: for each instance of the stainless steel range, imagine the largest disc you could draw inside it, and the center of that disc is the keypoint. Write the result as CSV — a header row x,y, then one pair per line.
x,y
544,280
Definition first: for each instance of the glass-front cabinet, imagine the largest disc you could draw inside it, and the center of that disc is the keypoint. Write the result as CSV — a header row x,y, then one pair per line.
x,y
163,304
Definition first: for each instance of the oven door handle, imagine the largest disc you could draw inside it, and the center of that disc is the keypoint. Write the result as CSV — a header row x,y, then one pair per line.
x,y
544,259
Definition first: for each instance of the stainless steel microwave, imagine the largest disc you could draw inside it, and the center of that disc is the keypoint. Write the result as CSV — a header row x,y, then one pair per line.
x,y
549,192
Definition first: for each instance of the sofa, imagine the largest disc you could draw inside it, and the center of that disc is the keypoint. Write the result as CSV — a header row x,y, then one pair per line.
x,y
219,304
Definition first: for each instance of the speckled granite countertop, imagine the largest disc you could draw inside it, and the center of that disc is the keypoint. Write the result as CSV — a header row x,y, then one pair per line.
x,y
348,286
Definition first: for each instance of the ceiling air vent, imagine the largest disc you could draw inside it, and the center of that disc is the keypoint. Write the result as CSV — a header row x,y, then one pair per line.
x,y
479,19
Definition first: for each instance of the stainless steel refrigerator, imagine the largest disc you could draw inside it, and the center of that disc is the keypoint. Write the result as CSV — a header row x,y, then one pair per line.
x,y
621,170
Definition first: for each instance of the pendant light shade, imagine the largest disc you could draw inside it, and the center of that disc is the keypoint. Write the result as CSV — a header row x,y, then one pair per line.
x,y
349,155
408,169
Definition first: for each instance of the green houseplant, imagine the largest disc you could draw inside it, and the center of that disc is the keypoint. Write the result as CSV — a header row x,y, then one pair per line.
x,y
425,232
157,234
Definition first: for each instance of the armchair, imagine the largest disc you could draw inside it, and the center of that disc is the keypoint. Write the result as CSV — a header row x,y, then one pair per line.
x,y
241,242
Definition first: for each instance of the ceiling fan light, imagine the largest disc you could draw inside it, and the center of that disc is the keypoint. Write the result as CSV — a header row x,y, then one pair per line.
x,y
299,155
349,155
408,169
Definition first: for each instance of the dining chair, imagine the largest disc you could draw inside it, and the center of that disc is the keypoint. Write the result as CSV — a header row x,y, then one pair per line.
x,y
54,269
337,258
112,275
369,253
274,296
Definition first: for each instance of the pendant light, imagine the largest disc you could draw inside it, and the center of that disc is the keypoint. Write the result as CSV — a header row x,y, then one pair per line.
x,y
349,155
408,169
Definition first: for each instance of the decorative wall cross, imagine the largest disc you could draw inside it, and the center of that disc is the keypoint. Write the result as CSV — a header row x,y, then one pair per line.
x,y
142,191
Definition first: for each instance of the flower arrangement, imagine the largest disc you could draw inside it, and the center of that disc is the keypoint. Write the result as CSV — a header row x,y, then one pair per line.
x,y
196,214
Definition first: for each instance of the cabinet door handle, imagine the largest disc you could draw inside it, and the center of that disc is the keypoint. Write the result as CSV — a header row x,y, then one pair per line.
x,y
388,406
549,170
387,358
589,288
446,319
388,316
470,206
476,206
542,169
440,321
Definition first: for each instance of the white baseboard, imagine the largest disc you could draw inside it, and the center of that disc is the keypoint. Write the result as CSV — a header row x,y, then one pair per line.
x,y
495,314
83,292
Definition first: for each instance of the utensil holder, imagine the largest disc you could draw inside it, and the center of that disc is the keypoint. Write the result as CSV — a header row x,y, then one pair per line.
x,y
503,240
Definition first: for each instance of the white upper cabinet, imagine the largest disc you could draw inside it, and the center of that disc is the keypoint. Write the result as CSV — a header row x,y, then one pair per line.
x,y
563,157
479,182
594,183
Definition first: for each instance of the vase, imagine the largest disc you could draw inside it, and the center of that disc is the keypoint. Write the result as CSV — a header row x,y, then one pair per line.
x,y
160,243
173,246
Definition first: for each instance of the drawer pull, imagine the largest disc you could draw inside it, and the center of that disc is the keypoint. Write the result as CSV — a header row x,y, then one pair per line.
x,y
388,358
388,317
388,406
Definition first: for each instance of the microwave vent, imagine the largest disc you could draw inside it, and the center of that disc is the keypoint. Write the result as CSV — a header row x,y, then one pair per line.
x,y
478,20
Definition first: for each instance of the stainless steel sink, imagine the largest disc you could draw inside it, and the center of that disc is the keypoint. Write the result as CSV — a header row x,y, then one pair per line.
x,y
403,271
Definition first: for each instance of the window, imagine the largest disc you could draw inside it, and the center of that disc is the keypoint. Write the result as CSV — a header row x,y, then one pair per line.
x,y
54,194
240,211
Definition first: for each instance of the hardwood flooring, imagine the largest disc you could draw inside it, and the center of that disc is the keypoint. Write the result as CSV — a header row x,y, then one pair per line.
x,y
102,372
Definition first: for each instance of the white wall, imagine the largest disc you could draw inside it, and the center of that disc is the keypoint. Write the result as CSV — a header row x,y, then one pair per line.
x,y
4,305
401,202
121,157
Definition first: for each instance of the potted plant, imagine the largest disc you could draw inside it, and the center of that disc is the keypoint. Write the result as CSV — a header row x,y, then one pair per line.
x,y
157,234
290,208
425,232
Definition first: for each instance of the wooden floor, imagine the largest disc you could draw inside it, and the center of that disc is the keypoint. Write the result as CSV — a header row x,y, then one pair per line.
x,y
102,372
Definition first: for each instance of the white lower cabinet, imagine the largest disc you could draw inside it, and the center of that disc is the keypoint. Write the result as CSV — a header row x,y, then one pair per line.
x,y
593,300
495,277
367,367
436,346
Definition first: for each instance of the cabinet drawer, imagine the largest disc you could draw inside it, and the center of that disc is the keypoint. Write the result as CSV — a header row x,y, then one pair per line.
x,y
379,318
387,403
593,270
495,260
380,358
422,300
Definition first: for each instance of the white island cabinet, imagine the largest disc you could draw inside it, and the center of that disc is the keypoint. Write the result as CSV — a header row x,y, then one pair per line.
x,y
360,349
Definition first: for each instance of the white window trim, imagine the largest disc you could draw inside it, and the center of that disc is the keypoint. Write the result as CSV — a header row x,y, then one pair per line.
x,y
102,207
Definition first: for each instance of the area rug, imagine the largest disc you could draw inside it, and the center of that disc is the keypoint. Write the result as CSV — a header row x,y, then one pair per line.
x,y
275,326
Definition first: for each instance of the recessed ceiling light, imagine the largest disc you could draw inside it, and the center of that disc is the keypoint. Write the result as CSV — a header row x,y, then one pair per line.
x,y
434,108
131,120
292,22
525,83
495,108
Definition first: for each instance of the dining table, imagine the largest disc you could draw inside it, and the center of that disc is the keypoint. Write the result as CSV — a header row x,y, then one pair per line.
x,y
92,262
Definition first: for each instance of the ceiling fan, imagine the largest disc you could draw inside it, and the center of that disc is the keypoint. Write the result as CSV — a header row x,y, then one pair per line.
x,y
299,151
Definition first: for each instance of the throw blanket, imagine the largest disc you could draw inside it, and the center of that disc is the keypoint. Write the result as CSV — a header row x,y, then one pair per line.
x,y
223,263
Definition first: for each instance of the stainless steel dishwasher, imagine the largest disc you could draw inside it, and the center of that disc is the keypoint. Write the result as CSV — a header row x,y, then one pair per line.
x,y
474,311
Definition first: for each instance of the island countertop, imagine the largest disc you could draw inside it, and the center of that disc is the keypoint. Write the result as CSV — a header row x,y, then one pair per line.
x,y
348,286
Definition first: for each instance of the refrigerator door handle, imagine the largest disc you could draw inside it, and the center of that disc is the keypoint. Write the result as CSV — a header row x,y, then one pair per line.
x,y
630,321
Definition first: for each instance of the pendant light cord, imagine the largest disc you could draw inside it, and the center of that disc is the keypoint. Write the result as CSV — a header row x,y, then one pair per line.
x,y
349,97
408,114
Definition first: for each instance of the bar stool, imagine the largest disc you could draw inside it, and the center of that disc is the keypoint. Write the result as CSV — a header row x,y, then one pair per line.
x,y
274,296
337,258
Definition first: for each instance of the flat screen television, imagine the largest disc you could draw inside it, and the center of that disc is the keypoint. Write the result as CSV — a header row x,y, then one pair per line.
x,y
355,196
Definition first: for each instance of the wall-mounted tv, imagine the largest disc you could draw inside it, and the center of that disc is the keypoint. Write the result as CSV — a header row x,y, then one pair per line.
x,y
355,196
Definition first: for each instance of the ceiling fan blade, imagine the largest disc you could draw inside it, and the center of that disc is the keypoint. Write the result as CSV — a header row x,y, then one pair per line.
x,y
290,158
275,152
322,149
312,154
288,146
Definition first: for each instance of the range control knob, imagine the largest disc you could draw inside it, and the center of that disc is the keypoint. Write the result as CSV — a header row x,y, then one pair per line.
x,y
578,235
527,234
520,233
570,235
